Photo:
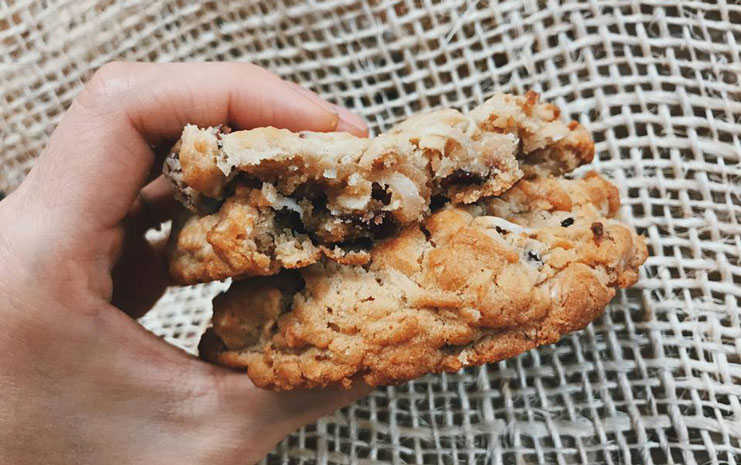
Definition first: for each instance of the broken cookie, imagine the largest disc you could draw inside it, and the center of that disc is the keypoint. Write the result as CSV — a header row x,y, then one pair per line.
x,y
470,284
269,199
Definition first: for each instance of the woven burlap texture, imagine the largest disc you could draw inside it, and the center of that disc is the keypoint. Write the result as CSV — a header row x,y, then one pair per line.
x,y
656,380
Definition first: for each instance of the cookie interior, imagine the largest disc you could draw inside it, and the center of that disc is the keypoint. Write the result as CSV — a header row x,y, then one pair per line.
x,y
470,285
274,199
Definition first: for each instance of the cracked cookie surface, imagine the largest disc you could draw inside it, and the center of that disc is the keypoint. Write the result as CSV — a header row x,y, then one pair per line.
x,y
469,285
340,191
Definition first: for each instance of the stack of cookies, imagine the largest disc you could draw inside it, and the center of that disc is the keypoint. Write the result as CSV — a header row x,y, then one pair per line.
x,y
451,240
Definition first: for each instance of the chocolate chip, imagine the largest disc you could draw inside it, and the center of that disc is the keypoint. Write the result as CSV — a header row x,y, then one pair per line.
x,y
380,193
534,256
248,180
382,225
597,230
289,219
314,193
567,222
208,205
333,326
461,178
437,202
2,195
378,225
360,244
501,231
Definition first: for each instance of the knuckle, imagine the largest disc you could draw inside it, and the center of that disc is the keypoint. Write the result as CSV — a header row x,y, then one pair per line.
x,y
111,71
108,82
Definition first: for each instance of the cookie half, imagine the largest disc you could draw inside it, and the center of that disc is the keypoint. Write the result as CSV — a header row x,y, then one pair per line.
x,y
467,286
269,199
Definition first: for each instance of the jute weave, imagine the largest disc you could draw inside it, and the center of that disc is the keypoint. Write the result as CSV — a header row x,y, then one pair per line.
x,y
658,378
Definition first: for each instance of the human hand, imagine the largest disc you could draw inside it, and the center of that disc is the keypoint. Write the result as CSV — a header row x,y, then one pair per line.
x,y
82,382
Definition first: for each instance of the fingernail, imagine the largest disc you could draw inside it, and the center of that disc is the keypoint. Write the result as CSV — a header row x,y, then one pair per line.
x,y
317,100
350,122
347,121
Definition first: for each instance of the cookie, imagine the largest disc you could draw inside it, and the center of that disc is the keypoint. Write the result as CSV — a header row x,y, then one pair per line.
x,y
471,284
268,199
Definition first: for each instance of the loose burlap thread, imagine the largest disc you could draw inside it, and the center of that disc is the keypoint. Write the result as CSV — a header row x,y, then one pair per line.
x,y
656,379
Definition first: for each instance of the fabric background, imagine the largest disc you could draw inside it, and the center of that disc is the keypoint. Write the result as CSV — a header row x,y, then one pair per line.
x,y
657,379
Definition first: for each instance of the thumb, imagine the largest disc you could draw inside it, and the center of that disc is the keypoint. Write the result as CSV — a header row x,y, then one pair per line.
x,y
263,418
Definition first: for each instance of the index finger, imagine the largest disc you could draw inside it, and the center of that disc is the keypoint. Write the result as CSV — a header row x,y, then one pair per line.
x,y
100,155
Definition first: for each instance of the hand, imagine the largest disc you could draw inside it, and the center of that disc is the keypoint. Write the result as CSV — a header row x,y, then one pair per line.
x,y
81,381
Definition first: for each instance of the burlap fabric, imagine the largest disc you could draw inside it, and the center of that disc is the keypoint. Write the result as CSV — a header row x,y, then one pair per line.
x,y
656,380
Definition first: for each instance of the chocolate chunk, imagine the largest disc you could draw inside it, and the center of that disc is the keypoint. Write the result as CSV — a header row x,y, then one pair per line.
x,y
437,202
534,256
382,225
243,179
501,231
356,245
289,219
567,222
314,193
598,230
461,178
209,205
380,193
378,225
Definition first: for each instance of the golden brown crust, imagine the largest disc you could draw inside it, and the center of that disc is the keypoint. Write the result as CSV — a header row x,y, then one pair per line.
x,y
549,147
345,189
469,286
197,153
243,238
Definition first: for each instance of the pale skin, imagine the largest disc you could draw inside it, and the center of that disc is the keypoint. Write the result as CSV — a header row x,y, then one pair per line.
x,y
80,381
